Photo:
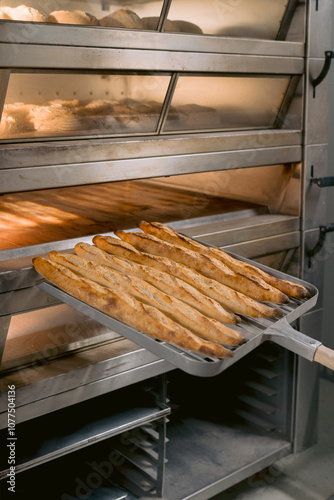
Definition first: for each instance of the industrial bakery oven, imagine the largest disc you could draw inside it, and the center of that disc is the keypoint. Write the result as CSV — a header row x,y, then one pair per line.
x,y
210,118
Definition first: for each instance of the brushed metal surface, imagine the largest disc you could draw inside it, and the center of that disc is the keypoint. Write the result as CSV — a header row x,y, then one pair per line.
x,y
313,269
319,27
316,108
30,178
33,154
307,393
77,36
4,327
263,246
96,58
244,230
4,79
26,299
314,197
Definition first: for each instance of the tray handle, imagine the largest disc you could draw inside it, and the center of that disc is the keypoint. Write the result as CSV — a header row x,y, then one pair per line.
x,y
284,334
324,356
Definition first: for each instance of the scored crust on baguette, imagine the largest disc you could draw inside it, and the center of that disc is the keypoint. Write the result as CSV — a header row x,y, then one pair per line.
x,y
208,266
230,299
127,309
165,282
168,234
177,310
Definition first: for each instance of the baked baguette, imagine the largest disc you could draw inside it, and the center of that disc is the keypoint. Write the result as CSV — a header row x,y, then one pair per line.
x,y
230,299
208,266
127,309
177,310
165,282
168,234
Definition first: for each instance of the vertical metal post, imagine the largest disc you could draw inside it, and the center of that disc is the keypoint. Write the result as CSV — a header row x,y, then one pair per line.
x,y
4,328
4,79
162,439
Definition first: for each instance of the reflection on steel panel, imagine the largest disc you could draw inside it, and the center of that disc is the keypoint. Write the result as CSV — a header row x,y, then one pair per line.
x,y
46,105
238,18
227,103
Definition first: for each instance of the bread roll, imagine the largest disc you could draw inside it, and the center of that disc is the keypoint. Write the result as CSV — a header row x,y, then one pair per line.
x,y
151,23
22,13
122,18
57,118
97,107
168,234
98,115
230,299
177,310
183,27
161,280
66,103
127,309
4,14
125,113
206,265
16,120
75,17
196,116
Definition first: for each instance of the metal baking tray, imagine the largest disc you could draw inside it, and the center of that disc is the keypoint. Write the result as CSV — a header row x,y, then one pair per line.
x,y
256,330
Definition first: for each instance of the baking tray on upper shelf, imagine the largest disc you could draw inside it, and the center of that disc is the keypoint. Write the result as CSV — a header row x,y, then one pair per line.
x,y
256,330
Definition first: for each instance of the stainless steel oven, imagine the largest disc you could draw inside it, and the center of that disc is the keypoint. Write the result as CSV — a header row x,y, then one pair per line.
x,y
200,116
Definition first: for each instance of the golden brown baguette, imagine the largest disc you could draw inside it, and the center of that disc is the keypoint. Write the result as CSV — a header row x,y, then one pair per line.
x,y
165,282
177,310
124,308
208,266
171,236
230,299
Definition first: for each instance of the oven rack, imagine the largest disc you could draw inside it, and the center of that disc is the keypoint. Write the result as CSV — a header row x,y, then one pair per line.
x,y
76,427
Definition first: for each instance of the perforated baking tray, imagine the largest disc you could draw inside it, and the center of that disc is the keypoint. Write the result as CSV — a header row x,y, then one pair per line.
x,y
256,330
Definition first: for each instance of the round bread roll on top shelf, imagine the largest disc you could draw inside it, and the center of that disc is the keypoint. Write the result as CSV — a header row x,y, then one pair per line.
x,y
184,27
57,117
98,115
75,17
122,18
97,107
16,120
4,15
151,23
22,13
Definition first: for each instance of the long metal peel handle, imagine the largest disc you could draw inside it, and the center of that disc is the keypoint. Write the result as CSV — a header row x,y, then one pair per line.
x,y
283,334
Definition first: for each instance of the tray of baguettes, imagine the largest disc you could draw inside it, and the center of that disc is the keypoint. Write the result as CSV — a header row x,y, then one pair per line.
x,y
194,305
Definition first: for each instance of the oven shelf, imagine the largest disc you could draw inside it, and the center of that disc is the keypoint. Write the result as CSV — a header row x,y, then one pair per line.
x,y
215,457
65,431
46,387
